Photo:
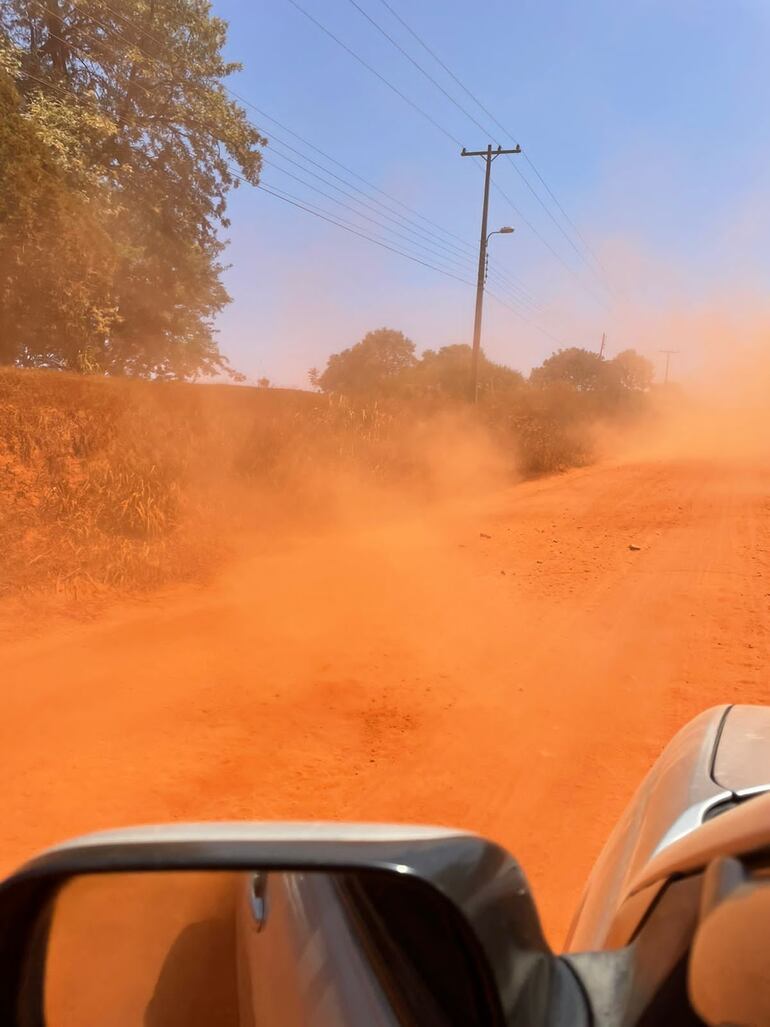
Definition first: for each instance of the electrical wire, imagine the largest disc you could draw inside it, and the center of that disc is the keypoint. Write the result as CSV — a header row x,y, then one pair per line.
x,y
374,71
312,209
326,216
264,114
274,138
528,320
556,254
435,242
511,281
294,200
441,128
357,213
495,121
476,122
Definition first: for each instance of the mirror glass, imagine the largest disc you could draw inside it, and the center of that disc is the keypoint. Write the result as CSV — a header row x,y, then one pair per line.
x,y
254,949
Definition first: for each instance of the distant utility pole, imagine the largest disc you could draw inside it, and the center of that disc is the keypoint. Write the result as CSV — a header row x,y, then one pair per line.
x,y
669,354
489,155
601,348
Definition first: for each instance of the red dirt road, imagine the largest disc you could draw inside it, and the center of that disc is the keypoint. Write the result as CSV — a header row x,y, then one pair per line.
x,y
400,674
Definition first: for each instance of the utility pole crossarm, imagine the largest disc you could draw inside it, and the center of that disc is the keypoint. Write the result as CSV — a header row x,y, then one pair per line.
x,y
486,153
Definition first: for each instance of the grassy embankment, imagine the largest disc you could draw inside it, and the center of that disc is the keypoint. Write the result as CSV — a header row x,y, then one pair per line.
x,y
125,485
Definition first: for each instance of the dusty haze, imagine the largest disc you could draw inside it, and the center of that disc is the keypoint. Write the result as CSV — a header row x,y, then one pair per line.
x,y
469,651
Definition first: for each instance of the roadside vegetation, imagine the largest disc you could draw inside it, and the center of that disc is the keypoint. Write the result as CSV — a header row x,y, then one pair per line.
x,y
119,484
119,146
548,419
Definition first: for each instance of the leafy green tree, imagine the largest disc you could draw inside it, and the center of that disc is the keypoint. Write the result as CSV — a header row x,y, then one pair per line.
x,y
129,100
56,257
632,371
374,365
448,371
580,368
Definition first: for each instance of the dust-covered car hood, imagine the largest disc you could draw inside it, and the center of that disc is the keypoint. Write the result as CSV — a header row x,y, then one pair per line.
x,y
742,760
717,761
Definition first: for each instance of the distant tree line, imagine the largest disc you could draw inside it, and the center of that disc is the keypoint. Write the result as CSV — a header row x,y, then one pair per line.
x,y
548,417
118,147
385,363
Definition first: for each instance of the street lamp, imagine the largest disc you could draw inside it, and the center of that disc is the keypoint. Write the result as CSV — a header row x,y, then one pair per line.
x,y
489,156
505,230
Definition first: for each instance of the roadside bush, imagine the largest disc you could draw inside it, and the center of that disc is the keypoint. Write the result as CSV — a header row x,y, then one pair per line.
x,y
129,484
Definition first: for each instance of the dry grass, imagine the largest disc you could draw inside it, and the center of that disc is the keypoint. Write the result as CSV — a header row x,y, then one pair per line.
x,y
125,485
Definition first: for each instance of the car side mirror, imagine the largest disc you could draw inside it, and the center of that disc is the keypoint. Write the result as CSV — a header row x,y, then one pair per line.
x,y
287,925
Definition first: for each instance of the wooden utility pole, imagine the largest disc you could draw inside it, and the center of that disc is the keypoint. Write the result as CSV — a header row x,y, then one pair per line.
x,y
669,354
489,155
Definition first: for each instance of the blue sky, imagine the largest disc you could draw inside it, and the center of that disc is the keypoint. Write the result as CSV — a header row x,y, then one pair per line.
x,y
647,119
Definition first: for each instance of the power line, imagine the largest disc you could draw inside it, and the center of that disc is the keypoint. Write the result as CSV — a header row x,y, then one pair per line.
x,y
288,146
512,282
420,245
354,174
516,291
306,205
141,85
467,114
326,156
416,64
435,243
443,130
264,114
366,217
374,71
494,120
423,232
326,216
528,320
297,202
506,281
544,241
516,294
501,277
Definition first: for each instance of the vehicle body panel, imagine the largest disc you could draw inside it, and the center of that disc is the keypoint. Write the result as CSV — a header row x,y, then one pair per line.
x,y
742,762
746,830
671,801
717,759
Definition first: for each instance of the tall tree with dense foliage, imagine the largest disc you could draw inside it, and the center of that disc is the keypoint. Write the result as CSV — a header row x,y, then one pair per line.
x,y
580,368
125,106
586,371
57,260
447,371
373,366
632,371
